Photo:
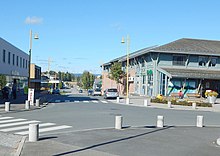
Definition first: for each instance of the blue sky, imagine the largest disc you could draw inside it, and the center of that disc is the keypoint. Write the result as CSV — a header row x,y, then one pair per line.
x,y
80,35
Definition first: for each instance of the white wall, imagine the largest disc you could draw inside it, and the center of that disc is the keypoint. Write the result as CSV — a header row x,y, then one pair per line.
x,y
10,69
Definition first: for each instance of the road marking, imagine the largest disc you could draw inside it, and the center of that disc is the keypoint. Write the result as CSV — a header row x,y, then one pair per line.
x,y
25,127
46,129
67,100
104,101
14,120
18,123
3,118
57,101
86,101
76,101
95,101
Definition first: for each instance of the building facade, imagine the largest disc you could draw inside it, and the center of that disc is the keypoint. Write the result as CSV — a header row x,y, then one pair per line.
x,y
189,65
35,77
14,63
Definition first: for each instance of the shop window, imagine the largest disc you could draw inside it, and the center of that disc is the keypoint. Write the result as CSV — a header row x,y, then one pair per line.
x,y
179,60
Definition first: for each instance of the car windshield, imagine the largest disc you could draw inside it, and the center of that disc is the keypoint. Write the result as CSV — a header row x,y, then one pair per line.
x,y
112,90
98,90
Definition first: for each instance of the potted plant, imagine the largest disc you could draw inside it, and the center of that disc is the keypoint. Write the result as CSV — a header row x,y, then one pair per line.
x,y
211,96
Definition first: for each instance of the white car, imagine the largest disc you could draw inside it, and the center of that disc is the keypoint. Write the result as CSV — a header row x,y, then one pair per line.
x,y
111,93
97,92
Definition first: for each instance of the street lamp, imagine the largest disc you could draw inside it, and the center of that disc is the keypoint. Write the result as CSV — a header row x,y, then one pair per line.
x,y
127,49
29,70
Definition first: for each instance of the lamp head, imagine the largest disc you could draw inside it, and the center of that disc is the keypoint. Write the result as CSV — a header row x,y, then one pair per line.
x,y
122,40
36,37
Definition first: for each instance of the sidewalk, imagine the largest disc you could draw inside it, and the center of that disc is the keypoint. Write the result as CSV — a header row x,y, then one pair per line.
x,y
139,102
18,104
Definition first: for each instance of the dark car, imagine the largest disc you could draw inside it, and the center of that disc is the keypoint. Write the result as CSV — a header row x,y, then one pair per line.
x,y
111,93
80,91
56,91
90,92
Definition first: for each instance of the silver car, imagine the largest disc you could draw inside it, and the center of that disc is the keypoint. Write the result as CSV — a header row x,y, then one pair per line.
x,y
111,93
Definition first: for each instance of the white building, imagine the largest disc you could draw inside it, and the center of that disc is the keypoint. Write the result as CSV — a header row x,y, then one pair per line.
x,y
14,63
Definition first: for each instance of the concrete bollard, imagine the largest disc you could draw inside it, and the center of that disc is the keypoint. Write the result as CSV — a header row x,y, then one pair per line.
x,y
199,122
33,132
127,101
194,105
160,121
118,99
146,102
7,106
38,102
218,141
169,105
118,122
27,104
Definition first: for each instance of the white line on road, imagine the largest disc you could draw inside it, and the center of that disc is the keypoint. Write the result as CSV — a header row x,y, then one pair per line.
x,y
95,101
46,129
104,101
14,120
25,127
18,123
3,118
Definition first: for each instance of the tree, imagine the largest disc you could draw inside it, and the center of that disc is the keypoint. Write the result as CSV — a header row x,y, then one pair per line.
x,y
2,81
116,72
87,80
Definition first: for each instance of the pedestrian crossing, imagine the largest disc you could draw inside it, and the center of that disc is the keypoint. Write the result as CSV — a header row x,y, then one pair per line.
x,y
83,101
21,126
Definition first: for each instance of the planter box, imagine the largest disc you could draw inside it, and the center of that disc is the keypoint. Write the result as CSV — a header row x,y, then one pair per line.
x,y
211,99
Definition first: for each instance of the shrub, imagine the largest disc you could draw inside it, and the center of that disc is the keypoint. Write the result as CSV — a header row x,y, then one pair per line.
x,y
211,93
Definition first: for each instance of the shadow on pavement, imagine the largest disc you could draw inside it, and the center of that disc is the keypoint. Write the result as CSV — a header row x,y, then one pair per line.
x,y
113,141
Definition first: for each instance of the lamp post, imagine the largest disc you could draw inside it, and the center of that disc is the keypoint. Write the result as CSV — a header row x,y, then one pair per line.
x,y
29,70
127,65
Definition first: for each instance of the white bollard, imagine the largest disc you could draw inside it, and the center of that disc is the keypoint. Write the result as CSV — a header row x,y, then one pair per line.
x,y
33,132
38,102
194,105
146,102
169,104
127,101
27,104
118,99
199,122
218,141
160,120
118,122
7,106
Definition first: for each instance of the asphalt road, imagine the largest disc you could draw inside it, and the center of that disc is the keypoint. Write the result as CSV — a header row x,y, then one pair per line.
x,y
92,129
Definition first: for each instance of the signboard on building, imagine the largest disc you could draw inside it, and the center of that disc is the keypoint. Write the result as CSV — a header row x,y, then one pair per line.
x,y
31,96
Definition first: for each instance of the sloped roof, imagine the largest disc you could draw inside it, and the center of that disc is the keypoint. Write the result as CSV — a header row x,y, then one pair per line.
x,y
191,46
193,73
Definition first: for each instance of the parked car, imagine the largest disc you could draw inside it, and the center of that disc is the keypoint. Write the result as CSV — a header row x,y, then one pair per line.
x,y
111,93
97,92
56,91
90,92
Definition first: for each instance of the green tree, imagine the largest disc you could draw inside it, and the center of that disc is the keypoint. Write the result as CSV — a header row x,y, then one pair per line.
x,y
2,81
116,73
87,80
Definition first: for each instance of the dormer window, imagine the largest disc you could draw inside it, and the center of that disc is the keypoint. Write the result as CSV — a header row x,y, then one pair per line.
x,y
179,60
202,60
213,62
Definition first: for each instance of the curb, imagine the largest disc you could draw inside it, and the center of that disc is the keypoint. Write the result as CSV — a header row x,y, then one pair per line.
x,y
20,146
